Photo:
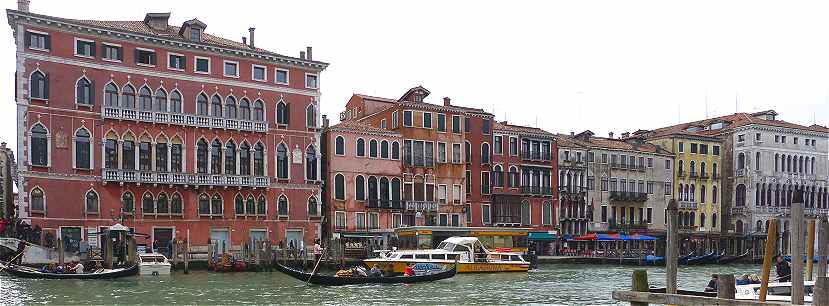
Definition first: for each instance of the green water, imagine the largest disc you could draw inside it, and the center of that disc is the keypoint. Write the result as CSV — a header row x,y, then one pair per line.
x,y
554,284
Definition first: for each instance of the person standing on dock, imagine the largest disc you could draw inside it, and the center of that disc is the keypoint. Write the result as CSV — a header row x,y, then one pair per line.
x,y
784,272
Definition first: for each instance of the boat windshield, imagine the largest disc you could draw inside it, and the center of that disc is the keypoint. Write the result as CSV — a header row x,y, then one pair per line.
x,y
451,247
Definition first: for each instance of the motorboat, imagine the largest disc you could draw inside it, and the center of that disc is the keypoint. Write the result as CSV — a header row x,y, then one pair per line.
x,y
732,258
327,280
153,264
779,292
471,255
28,272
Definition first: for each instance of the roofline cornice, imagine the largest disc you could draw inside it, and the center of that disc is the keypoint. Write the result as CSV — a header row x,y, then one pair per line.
x,y
15,16
773,128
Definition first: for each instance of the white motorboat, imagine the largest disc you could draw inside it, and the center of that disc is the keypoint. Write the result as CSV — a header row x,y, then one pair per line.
x,y
153,264
778,292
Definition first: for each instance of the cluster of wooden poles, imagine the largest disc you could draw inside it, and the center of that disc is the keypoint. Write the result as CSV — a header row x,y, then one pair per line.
x,y
640,294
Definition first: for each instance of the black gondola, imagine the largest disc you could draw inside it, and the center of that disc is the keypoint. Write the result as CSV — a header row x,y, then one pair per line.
x,y
684,259
27,272
326,280
732,258
697,260
683,292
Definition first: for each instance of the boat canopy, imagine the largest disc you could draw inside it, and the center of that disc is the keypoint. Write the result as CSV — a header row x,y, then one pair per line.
x,y
541,236
614,237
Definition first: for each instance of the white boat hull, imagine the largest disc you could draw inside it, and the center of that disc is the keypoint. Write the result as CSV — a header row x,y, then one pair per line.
x,y
154,269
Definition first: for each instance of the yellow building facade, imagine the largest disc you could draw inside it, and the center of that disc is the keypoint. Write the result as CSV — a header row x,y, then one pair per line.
x,y
697,187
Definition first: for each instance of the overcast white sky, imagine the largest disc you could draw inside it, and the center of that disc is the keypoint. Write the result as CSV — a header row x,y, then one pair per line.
x,y
565,65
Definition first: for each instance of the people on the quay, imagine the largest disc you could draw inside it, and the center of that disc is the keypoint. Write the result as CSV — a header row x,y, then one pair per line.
x,y
784,271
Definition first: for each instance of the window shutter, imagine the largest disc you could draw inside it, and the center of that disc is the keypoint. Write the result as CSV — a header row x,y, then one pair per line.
x,y
46,86
103,50
135,56
152,58
48,42
92,49
184,63
28,38
120,53
92,90
78,44
287,113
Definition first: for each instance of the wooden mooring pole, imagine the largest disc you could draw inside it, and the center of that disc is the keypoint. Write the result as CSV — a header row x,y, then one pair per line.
x,y
725,286
796,247
640,284
810,249
672,247
771,238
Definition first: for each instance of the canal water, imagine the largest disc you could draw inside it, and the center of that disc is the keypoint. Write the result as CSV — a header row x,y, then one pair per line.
x,y
566,284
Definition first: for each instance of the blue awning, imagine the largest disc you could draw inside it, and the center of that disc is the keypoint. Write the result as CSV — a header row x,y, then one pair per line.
x,y
541,236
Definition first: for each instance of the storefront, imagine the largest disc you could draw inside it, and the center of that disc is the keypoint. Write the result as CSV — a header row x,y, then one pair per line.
x,y
544,243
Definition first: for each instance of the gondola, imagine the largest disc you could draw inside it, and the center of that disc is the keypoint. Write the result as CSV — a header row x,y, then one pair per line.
x,y
684,259
683,292
697,260
27,272
653,260
731,258
326,280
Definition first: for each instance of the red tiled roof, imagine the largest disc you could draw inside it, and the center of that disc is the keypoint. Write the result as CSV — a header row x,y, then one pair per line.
x,y
730,122
359,126
373,98
611,144
501,126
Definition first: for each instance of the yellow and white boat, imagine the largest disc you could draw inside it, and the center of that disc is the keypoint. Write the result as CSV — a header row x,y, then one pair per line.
x,y
468,252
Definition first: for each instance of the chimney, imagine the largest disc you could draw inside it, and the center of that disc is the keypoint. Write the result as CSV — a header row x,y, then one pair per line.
x,y
157,21
447,101
23,5
625,135
309,53
610,135
244,40
250,30
572,133
325,121
301,54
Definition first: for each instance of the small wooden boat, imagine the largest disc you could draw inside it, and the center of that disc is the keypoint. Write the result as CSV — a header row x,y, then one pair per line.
x,y
683,292
697,260
731,258
154,264
326,280
27,272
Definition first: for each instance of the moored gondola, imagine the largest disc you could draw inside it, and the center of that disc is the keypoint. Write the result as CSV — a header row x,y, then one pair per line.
x,y
27,272
684,259
326,280
732,258
697,260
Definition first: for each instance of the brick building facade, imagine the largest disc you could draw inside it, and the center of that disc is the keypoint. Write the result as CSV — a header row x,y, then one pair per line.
x,y
168,129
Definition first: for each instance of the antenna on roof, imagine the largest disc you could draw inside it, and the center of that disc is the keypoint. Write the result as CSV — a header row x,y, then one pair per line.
x,y
678,114
737,102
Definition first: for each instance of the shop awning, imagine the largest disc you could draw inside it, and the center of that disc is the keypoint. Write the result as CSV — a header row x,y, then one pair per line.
x,y
541,236
638,237
358,235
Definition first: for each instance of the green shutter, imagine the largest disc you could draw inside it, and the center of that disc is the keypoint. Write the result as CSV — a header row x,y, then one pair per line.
x,y
28,38
48,42
46,86
92,49
92,91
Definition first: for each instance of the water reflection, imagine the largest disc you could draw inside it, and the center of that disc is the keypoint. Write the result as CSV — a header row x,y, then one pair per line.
x,y
554,284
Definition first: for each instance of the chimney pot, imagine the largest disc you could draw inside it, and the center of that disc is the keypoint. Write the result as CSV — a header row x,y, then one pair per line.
x,y
309,53
447,101
302,54
250,30
244,40
572,133
610,135
23,5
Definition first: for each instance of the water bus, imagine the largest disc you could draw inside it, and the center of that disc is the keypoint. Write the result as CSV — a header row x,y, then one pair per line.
x,y
470,254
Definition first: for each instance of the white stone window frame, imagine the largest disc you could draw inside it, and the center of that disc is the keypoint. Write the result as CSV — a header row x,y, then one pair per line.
x,y
287,76
91,150
196,61
224,70
75,47
41,33
48,146
169,54
253,68
316,76
148,50
114,60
